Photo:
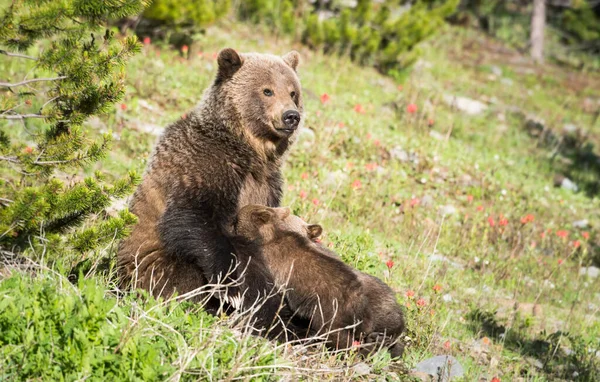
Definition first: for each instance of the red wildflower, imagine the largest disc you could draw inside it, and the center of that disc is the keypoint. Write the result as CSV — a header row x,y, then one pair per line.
x,y
184,116
369,136
479,208
356,184
185,49
28,150
400,87
415,202
503,222
560,261
199,54
28,102
302,194
527,219
533,244
410,293
421,302
341,125
543,235
147,40
430,122
315,201
486,341
123,106
349,165
215,55
586,235
411,108
470,198
304,175
389,264
495,379
358,108
447,345
491,221
371,166
377,143
562,233
437,288
355,343
324,98
576,244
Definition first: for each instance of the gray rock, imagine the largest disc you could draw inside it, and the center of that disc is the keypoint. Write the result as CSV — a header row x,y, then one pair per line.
x,y
361,368
569,128
306,135
448,210
447,297
507,81
592,271
400,154
496,70
442,367
583,223
467,105
427,201
568,184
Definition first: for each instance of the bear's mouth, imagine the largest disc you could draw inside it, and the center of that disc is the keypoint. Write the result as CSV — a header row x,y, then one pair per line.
x,y
286,130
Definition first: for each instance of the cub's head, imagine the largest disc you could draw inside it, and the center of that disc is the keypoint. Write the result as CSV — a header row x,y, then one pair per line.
x,y
265,93
265,224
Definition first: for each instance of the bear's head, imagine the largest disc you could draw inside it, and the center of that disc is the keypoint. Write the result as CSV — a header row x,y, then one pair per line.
x,y
265,94
262,224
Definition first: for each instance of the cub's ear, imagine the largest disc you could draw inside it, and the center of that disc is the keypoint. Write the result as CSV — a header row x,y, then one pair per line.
x,y
229,62
292,58
262,216
314,231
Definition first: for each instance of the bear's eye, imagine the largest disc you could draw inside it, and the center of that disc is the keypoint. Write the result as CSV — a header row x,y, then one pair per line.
x,y
268,92
293,94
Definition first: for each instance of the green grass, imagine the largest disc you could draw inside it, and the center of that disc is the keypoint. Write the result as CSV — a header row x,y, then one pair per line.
x,y
373,208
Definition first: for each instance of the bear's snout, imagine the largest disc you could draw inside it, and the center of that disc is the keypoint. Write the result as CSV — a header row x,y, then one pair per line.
x,y
291,119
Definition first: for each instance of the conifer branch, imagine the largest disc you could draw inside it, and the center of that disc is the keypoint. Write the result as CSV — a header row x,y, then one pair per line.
x,y
9,85
17,55
10,159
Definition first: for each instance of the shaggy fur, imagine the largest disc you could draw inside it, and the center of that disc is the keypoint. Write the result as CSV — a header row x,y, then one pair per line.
x,y
226,154
321,288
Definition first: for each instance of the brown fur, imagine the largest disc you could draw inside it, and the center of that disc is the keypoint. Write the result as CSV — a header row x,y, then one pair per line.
x,y
227,153
322,288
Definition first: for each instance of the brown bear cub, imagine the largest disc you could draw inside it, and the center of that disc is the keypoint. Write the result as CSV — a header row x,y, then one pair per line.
x,y
338,300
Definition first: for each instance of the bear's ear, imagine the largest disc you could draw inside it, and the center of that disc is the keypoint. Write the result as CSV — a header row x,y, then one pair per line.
x,y
262,216
314,231
229,62
292,58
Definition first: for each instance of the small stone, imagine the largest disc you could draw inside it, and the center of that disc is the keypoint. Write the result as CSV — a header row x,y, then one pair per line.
x,y
399,154
427,201
507,81
448,210
592,272
569,128
447,297
467,105
442,367
361,368
306,135
496,70
581,223
438,136
568,184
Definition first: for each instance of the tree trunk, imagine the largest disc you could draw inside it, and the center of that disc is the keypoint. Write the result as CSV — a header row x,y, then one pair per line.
x,y
538,23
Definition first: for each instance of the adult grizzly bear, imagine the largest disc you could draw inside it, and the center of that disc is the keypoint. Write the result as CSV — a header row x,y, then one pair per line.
x,y
226,154
336,299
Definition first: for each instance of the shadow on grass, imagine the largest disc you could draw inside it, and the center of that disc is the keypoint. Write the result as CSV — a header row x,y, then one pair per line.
x,y
562,356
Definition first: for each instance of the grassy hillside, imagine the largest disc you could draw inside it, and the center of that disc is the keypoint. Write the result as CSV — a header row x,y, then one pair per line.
x,y
486,253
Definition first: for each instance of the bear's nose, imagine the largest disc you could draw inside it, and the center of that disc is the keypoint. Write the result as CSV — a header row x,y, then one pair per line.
x,y
291,119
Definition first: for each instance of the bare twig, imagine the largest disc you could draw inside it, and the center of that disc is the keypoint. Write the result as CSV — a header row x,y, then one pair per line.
x,y
10,159
22,116
9,85
17,55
